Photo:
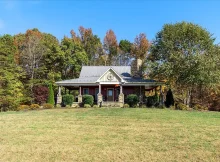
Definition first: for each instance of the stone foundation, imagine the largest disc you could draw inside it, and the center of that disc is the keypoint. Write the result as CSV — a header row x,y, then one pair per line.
x,y
80,98
121,99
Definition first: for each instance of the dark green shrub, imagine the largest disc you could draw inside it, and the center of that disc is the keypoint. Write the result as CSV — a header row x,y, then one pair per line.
x,y
51,95
67,99
132,100
153,101
34,106
47,106
87,105
169,99
88,99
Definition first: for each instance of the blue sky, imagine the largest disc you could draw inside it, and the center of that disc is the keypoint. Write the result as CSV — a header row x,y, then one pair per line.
x,y
126,17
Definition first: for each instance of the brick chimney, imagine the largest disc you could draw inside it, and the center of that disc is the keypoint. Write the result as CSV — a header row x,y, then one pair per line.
x,y
136,68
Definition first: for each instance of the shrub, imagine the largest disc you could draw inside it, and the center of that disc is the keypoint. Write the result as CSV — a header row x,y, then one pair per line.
x,y
126,106
132,100
181,106
47,106
169,99
34,106
95,106
68,100
88,99
23,107
200,107
40,94
153,101
87,105
51,95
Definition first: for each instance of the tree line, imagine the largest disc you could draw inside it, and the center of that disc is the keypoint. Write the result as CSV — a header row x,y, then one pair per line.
x,y
182,54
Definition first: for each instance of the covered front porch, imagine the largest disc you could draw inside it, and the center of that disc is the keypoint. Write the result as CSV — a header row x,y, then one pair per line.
x,y
107,94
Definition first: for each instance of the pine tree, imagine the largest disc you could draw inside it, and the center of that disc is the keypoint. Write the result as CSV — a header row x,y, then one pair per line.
x,y
51,95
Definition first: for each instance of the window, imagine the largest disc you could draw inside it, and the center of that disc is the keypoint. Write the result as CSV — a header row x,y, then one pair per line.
x,y
85,91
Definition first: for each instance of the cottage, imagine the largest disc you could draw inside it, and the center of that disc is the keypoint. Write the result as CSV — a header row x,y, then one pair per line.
x,y
109,84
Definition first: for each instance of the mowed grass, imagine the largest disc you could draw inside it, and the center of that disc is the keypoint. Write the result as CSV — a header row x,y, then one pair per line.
x,y
109,134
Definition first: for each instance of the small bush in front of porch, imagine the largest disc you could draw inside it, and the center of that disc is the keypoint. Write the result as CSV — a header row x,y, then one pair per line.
x,y
132,100
67,99
88,99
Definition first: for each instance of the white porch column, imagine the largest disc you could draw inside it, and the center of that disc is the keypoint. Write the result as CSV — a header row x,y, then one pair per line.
x,y
121,96
100,89
59,97
59,91
99,96
79,90
121,89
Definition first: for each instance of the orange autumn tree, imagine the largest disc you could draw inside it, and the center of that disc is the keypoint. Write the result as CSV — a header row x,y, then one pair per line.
x,y
110,47
140,47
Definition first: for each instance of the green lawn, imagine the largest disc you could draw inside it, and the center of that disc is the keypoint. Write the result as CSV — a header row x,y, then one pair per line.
x,y
109,134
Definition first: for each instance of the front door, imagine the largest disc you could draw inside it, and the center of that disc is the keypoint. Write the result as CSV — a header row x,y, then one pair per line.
x,y
110,94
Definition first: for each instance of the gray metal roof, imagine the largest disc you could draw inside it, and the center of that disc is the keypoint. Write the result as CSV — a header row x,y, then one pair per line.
x,y
90,74
97,71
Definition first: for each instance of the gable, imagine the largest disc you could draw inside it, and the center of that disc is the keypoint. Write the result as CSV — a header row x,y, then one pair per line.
x,y
110,76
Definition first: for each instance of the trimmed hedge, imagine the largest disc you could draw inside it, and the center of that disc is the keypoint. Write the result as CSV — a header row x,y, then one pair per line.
x,y
68,99
88,99
132,100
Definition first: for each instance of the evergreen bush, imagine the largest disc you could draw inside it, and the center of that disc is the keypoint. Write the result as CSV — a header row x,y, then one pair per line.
x,y
169,99
68,99
88,99
132,100
51,95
